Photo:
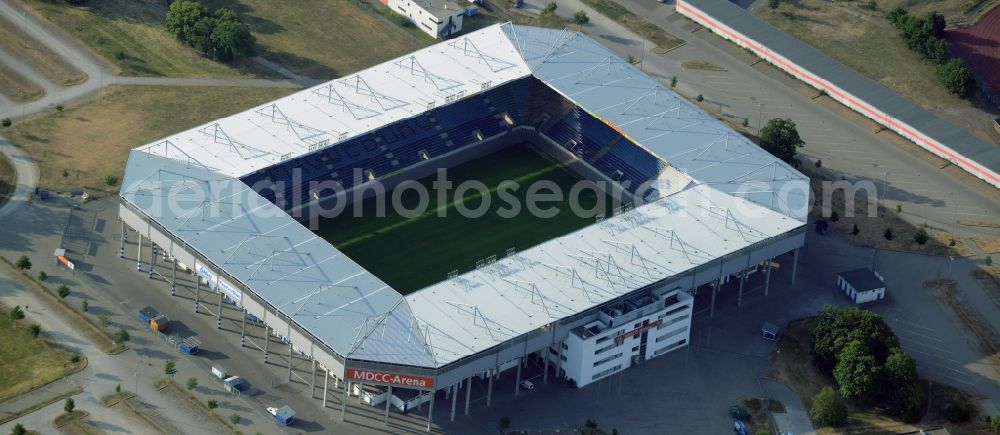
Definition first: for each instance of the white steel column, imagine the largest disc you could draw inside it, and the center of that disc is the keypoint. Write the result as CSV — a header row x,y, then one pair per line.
x,y
243,328
326,380
387,402
197,291
489,388
288,336
138,255
468,394
218,319
767,276
173,278
517,383
312,382
267,335
152,256
743,280
454,398
121,248
343,404
430,411
795,265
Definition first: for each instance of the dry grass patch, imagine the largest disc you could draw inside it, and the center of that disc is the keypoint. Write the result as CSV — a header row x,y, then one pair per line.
x,y
131,35
872,47
322,39
989,245
50,65
702,65
27,362
91,141
946,291
16,87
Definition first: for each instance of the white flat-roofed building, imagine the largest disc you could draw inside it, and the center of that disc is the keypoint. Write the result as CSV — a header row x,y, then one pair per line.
x,y
638,328
438,18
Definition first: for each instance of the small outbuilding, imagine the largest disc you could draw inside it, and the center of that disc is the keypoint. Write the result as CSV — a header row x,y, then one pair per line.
x,y
769,331
285,416
862,285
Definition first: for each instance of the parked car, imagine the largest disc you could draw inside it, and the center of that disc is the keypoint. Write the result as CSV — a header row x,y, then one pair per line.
x,y
740,427
527,385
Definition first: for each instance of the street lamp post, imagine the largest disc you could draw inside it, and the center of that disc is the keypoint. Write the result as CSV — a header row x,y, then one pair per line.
x,y
760,117
135,375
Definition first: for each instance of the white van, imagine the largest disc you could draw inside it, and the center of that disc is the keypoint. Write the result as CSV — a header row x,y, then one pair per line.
x,y
527,385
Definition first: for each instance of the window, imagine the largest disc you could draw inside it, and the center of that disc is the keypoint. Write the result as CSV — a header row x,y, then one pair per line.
x,y
612,357
606,372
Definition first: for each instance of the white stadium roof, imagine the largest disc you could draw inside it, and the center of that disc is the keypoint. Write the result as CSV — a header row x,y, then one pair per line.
x,y
739,195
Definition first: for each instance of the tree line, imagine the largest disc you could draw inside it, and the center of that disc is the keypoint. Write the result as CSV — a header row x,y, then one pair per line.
x,y
925,35
219,34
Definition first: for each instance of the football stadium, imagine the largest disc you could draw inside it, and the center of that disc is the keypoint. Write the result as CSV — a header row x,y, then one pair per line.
x,y
280,211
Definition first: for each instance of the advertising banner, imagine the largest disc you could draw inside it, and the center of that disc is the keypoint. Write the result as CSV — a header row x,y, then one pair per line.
x,y
394,379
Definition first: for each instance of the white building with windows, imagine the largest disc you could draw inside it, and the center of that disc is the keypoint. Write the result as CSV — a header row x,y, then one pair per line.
x,y
438,18
638,328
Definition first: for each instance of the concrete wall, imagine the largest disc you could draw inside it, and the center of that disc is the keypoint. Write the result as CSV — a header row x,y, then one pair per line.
x,y
856,103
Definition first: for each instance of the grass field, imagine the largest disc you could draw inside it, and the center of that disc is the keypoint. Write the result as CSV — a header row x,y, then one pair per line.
x,y
27,362
409,254
866,42
16,87
131,35
322,39
50,65
92,140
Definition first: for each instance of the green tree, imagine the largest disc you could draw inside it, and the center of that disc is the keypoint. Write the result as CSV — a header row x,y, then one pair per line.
x,y
192,383
84,306
835,327
212,404
18,430
900,369
699,98
856,372
921,236
828,408
234,419
888,234
111,180
936,22
182,17
590,424
233,40
23,262
957,78
855,230
550,7
895,15
170,368
773,4
781,138
581,18
35,329
103,320
673,82
5,122
910,402
120,336
42,276
118,388
16,313
63,291
69,405
996,424
504,424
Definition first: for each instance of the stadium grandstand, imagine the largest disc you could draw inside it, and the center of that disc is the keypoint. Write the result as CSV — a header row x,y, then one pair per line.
x,y
230,202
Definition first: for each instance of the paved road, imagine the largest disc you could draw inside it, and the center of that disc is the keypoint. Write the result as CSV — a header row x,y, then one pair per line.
x,y
27,177
759,92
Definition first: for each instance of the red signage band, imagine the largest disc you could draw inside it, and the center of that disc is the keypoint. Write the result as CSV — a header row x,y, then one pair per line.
x,y
394,379
621,338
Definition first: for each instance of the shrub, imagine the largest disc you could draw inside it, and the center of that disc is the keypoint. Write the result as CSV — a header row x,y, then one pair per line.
x,y
899,208
65,173
828,408
857,372
590,424
63,291
855,230
819,163
888,234
746,122
773,4
111,180
550,7
504,423
780,137
921,236
84,306
836,327
952,242
700,98
957,78
580,18
120,55
59,107
16,313
104,320
35,329
18,430
212,404
957,413
911,402
989,260
69,404
42,276
23,262
6,122
170,368
74,358
118,388
192,383
120,336
234,419
673,82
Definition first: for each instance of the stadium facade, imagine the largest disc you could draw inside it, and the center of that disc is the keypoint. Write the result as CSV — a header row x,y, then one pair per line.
x,y
219,200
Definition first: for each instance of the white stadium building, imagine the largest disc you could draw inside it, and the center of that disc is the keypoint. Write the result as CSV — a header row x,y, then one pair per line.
x,y
586,305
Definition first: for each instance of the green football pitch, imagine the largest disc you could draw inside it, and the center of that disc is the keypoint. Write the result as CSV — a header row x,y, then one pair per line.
x,y
410,253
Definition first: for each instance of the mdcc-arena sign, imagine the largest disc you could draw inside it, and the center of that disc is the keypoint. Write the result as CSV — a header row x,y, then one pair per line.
x,y
393,379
